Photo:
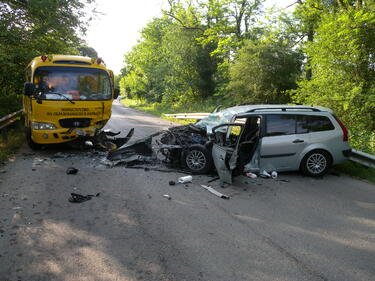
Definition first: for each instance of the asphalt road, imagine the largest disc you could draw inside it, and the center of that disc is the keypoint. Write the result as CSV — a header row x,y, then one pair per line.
x,y
297,229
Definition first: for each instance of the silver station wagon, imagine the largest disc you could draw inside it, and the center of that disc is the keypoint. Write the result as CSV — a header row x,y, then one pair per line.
x,y
257,138
248,138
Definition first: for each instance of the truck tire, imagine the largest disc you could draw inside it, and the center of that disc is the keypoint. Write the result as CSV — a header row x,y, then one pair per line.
x,y
30,142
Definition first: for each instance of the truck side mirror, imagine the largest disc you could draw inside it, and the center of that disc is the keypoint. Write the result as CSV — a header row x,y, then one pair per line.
x,y
29,89
116,93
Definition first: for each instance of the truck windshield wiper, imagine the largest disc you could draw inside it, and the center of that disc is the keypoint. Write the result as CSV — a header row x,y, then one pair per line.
x,y
61,95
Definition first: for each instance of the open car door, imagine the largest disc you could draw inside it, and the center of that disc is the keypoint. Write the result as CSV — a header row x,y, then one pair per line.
x,y
225,149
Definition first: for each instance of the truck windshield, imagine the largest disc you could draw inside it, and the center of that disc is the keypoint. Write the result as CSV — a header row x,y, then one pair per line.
x,y
73,83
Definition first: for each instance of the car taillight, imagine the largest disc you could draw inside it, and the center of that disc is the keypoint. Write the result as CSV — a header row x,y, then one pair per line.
x,y
344,129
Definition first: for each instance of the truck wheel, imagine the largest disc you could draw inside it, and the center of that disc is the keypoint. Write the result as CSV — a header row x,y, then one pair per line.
x,y
316,163
30,142
197,159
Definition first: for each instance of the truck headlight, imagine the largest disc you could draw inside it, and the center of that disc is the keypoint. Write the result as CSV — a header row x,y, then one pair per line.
x,y
43,126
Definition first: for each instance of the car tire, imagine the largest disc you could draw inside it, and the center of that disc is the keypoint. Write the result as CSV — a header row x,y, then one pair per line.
x,y
316,163
30,142
197,159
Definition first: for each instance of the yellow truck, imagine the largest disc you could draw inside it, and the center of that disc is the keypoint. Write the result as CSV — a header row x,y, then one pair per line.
x,y
66,98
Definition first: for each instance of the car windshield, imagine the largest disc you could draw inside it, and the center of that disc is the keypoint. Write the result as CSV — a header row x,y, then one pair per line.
x,y
221,117
73,83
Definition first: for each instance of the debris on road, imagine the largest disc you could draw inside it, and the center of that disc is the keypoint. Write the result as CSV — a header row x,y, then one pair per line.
x,y
265,174
78,198
71,171
89,143
214,179
172,183
274,175
185,179
251,175
167,196
283,180
60,155
213,191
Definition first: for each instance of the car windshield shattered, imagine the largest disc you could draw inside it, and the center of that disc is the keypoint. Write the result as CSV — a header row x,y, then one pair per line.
x,y
221,117
72,83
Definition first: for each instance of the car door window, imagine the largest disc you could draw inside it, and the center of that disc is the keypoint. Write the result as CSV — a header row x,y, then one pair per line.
x,y
279,125
302,126
227,134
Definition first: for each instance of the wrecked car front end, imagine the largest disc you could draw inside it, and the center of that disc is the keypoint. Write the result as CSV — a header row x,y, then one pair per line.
x,y
187,146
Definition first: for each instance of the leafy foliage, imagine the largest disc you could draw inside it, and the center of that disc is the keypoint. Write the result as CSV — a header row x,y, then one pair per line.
x,y
263,73
168,64
342,60
31,28
87,51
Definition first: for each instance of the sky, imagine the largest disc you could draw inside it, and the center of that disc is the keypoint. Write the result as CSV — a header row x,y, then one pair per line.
x,y
116,29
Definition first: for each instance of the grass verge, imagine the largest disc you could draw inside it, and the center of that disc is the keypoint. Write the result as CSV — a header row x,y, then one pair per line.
x,y
11,139
356,170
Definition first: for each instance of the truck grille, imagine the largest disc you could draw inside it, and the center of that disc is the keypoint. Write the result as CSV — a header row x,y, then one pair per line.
x,y
75,122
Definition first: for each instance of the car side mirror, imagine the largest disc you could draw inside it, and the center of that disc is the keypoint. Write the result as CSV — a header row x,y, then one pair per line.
x,y
29,89
116,93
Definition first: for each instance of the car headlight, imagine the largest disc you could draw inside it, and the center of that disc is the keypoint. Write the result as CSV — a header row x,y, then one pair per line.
x,y
43,126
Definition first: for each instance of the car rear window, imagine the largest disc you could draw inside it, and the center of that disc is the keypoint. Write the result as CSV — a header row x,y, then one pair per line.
x,y
319,123
279,124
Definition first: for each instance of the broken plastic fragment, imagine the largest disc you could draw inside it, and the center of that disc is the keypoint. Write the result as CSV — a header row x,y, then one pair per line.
x,y
213,191
78,198
251,175
89,143
264,174
167,196
185,179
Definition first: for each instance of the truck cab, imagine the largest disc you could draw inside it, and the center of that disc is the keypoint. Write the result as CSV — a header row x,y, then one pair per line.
x,y
66,98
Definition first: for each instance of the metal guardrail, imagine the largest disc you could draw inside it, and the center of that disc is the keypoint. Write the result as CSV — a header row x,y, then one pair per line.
x,y
363,158
198,116
9,119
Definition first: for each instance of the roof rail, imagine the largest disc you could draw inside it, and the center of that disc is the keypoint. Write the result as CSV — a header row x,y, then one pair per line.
x,y
252,103
284,108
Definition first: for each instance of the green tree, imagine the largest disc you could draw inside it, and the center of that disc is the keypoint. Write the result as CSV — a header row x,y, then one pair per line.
x,y
342,59
87,51
264,72
223,24
145,64
168,64
31,28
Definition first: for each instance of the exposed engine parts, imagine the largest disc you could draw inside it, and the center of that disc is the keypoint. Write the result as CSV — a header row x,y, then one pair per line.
x,y
186,146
